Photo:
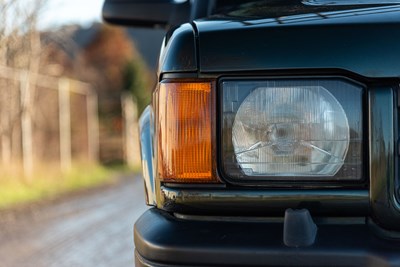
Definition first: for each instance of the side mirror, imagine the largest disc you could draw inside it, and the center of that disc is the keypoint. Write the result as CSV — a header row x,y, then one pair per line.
x,y
146,13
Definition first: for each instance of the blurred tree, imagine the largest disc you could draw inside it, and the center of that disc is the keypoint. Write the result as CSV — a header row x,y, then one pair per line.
x,y
114,66
20,47
136,79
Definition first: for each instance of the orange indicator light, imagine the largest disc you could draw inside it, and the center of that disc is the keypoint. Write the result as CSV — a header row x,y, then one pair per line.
x,y
184,128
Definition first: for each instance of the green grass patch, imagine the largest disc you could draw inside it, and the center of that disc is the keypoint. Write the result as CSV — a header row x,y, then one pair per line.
x,y
81,177
49,181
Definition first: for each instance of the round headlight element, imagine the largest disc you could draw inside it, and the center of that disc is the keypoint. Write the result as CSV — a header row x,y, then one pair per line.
x,y
290,131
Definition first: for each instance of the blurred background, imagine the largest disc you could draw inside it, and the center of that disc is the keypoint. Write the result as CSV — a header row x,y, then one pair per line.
x,y
71,91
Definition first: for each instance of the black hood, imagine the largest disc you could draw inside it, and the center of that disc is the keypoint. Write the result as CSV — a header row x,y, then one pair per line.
x,y
364,39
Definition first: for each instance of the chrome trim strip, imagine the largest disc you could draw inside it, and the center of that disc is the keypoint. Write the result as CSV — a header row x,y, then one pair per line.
x,y
255,219
332,202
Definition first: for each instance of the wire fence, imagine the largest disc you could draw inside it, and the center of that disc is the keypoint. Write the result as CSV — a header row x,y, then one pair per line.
x,y
46,119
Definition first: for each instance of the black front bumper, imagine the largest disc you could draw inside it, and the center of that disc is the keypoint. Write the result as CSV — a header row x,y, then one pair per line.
x,y
164,240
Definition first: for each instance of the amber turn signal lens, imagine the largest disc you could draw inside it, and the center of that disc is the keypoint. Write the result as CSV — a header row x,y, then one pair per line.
x,y
184,131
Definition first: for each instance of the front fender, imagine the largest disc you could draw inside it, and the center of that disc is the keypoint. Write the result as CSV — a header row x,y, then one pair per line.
x,y
146,132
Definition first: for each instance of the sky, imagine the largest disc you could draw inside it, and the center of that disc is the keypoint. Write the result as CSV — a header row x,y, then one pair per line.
x,y
61,12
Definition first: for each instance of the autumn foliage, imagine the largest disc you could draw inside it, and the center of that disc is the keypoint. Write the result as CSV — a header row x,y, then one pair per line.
x,y
113,65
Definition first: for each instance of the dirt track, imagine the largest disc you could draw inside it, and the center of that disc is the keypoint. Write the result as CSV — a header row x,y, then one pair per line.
x,y
87,229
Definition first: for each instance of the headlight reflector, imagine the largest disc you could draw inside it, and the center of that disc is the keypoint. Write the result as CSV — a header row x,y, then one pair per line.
x,y
292,131
284,129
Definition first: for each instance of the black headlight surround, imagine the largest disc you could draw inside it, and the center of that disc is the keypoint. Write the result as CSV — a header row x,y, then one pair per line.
x,y
396,148
288,181
383,158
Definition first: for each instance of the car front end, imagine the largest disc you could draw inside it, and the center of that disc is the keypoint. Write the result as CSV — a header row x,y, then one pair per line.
x,y
272,138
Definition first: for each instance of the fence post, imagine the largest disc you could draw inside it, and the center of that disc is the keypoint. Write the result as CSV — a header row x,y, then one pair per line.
x,y
131,133
26,123
5,136
65,123
93,125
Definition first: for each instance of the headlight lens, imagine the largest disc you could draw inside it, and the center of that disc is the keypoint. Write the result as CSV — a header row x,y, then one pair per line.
x,y
292,128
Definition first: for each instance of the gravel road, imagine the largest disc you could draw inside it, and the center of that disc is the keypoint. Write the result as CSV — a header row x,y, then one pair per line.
x,y
87,229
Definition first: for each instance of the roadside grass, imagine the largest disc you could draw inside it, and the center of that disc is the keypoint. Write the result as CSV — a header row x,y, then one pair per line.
x,y
48,181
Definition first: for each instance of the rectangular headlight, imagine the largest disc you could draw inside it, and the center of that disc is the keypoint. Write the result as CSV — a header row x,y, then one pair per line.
x,y
292,129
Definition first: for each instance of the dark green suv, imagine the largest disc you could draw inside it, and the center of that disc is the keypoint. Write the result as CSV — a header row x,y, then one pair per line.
x,y
273,134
